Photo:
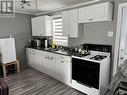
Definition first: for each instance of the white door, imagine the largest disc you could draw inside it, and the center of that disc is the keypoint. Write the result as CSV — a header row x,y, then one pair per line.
x,y
123,38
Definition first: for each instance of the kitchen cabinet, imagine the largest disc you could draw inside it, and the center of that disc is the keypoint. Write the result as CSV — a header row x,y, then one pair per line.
x,y
63,68
34,24
48,63
32,58
55,65
42,26
73,23
96,13
39,60
70,23
65,22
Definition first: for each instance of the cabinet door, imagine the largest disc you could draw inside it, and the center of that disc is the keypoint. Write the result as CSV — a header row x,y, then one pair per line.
x,y
48,25
31,59
65,23
63,69
48,63
35,27
34,59
73,23
38,60
41,26
97,13
84,14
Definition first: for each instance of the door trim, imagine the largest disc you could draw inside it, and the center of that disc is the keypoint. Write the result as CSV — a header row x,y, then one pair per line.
x,y
118,34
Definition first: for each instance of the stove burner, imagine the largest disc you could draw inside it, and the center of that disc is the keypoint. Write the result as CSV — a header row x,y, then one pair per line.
x,y
81,55
98,57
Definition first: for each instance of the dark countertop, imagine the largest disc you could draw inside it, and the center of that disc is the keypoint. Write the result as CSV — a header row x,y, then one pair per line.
x,y
69,53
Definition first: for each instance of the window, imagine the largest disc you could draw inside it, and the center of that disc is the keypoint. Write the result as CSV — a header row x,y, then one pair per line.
x,y
58,37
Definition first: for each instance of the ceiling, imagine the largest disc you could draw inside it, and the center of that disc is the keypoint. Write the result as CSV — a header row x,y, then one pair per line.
x,y
47,5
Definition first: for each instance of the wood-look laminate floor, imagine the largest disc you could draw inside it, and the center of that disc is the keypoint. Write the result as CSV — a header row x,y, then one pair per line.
x,y
32,82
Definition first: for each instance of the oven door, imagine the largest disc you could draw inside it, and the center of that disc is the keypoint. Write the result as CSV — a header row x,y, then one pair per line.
x,y
86,72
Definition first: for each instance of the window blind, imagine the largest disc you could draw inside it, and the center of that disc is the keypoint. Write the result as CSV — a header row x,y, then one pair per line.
x,y
58,37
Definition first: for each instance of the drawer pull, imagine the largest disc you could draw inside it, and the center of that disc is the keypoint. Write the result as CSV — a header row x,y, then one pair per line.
x,y
90,19
51,58
62,61
45,57
61,57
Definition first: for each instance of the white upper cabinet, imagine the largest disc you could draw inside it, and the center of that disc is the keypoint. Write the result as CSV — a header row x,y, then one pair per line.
x,y
70,23
34,23
73,23
96,13
65,22
42,26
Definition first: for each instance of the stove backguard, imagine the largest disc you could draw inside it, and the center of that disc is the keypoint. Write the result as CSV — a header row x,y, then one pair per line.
x,y
98,47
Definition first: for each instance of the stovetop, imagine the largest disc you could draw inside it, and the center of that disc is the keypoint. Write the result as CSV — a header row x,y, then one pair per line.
x,y
98,57
93,56
80,55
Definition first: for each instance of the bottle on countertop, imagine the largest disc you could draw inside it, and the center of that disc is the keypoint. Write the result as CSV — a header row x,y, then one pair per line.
x,y
54,45
46,43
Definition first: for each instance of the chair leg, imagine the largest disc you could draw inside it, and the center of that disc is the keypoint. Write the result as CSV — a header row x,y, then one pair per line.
x,y
18,68
4,71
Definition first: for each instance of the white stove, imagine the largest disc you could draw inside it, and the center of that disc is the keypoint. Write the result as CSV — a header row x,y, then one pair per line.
x,y
90,73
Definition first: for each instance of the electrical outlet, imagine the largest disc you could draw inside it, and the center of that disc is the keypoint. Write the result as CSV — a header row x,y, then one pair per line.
x,y
110,34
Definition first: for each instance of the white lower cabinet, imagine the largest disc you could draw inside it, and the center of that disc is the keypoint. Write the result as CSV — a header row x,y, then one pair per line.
x,y
55,65
48,63
32,58
63,68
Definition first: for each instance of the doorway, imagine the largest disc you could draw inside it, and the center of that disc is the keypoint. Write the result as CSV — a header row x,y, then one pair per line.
x,y
121,37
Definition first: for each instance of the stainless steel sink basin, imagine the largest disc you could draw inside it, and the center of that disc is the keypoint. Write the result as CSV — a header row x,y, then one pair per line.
x,y
56,50
51,49
62,52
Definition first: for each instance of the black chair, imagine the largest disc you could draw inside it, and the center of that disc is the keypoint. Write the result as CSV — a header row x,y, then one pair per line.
x,y
121,89
4,90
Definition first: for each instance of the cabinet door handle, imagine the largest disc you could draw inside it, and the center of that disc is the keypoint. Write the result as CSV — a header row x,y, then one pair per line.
x,y
91,19
51,58
62,61
61,57
46,57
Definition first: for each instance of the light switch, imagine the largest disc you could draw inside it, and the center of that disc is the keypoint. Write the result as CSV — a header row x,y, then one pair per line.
x,y
110,34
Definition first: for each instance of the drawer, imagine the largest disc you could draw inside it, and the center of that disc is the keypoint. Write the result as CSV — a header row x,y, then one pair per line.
x,y
63,58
